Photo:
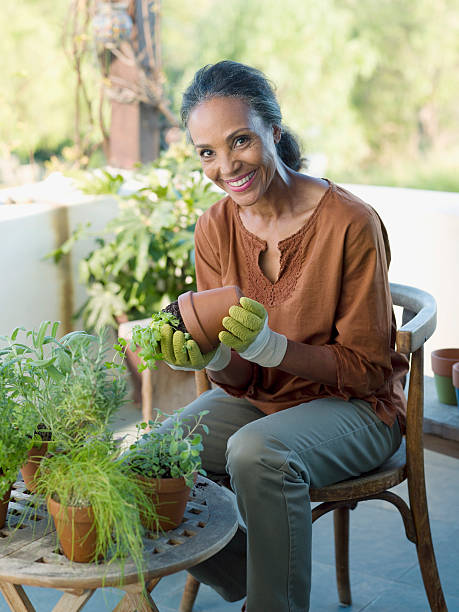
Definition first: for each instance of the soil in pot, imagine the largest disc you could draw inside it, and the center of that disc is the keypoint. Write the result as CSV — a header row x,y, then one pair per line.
x,y
173,309
76,531
442,366
202,313
169,496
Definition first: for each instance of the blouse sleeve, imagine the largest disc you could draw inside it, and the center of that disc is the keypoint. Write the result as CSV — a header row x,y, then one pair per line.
x,y
363,317
207,261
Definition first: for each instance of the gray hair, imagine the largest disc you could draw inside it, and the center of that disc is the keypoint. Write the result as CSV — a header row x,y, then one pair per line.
x,y
232,79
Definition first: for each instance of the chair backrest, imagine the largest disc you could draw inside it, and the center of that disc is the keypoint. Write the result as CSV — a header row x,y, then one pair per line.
x,y
418,324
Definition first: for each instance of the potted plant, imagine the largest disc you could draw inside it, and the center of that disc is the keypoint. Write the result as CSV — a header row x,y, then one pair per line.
x,y
94,503
167,463
442,365
64,385
456,380
144,257
15,440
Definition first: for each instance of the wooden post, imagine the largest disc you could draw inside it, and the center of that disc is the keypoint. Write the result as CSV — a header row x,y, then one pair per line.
x,y
135,124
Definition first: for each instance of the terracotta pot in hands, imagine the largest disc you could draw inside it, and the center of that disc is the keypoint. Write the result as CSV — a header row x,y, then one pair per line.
x,y
202,313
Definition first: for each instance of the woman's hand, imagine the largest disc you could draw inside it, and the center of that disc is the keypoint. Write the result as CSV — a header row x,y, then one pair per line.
x,y
244,323
248,333
182,354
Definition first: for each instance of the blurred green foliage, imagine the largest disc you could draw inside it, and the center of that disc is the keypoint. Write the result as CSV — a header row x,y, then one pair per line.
x,y
144,257
370,83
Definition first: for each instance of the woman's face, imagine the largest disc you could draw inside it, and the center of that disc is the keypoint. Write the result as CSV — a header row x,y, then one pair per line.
x,y
236,148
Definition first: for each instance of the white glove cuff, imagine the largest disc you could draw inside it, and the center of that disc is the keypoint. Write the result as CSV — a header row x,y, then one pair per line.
x,y
175,367
221,358
218,362
268,349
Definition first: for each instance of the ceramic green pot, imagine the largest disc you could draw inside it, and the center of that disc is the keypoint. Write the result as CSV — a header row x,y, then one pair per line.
x,y
442,366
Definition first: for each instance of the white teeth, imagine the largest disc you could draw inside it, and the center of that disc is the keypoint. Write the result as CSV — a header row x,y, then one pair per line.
x,y
246,179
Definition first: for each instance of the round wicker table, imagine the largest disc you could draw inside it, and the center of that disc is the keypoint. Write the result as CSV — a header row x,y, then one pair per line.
x,y
30,555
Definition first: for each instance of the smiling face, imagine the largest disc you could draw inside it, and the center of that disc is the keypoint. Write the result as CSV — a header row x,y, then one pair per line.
x,y
236,148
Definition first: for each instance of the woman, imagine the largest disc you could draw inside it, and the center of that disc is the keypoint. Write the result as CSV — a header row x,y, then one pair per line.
x,y
308,383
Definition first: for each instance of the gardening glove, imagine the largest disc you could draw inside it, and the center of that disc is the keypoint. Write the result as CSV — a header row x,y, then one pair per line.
x,y
247,332
182,354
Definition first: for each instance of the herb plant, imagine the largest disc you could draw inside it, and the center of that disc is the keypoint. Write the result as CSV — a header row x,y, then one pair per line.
x,y
65,385
148,339
92,474
16,433
173,453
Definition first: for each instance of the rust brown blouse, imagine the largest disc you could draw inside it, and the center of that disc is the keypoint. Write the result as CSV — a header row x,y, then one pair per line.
x,y
332,290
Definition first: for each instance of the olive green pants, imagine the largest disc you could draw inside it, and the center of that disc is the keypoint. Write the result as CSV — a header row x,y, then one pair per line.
x,y
272,461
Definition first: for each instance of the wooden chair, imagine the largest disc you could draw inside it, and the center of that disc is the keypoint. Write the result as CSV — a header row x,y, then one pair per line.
x,y
418,324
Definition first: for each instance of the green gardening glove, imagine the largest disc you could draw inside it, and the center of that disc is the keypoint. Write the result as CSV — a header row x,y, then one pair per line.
x,y
243,324
247,332
182,353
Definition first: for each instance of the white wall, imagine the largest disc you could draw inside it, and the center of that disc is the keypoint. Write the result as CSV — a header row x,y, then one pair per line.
x,y
35,289
423,229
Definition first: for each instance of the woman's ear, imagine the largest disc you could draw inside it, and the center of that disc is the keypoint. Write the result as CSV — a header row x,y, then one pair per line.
x,y
277,133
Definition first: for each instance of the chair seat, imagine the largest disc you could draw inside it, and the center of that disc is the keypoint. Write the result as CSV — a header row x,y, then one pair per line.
x,y
392,472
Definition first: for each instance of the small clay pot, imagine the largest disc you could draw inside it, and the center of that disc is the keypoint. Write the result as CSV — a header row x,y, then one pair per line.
x,y
169,496
30,467
456,380
202,313
76,531
4,507
442,366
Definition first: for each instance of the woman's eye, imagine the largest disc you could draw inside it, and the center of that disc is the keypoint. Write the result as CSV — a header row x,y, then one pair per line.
x,y
205,153
241,140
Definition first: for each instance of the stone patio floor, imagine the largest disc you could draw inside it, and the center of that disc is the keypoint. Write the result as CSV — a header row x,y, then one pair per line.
x,y
384,569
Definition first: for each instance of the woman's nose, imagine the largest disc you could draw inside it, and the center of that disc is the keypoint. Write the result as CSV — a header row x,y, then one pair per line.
x,y
228,165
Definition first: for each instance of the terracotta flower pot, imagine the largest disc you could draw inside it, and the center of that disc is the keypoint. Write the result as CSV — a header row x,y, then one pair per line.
x,y
456,380
202,313
76,531
169,496
4,507
442,366
30,467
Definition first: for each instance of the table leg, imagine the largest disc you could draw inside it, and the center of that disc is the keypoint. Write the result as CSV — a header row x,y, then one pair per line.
x,y
136,599
16,597
147,394
73,603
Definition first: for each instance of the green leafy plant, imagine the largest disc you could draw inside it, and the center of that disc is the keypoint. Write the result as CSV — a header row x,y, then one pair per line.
x,y
66,385
93,475
174,453
147,339
144,257
16,434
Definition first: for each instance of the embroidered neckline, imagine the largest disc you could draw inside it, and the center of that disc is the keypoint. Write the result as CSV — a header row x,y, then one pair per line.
x,y
293,252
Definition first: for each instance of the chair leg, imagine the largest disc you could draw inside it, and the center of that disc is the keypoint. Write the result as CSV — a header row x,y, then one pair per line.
x,y
189,594
426,554
341,525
